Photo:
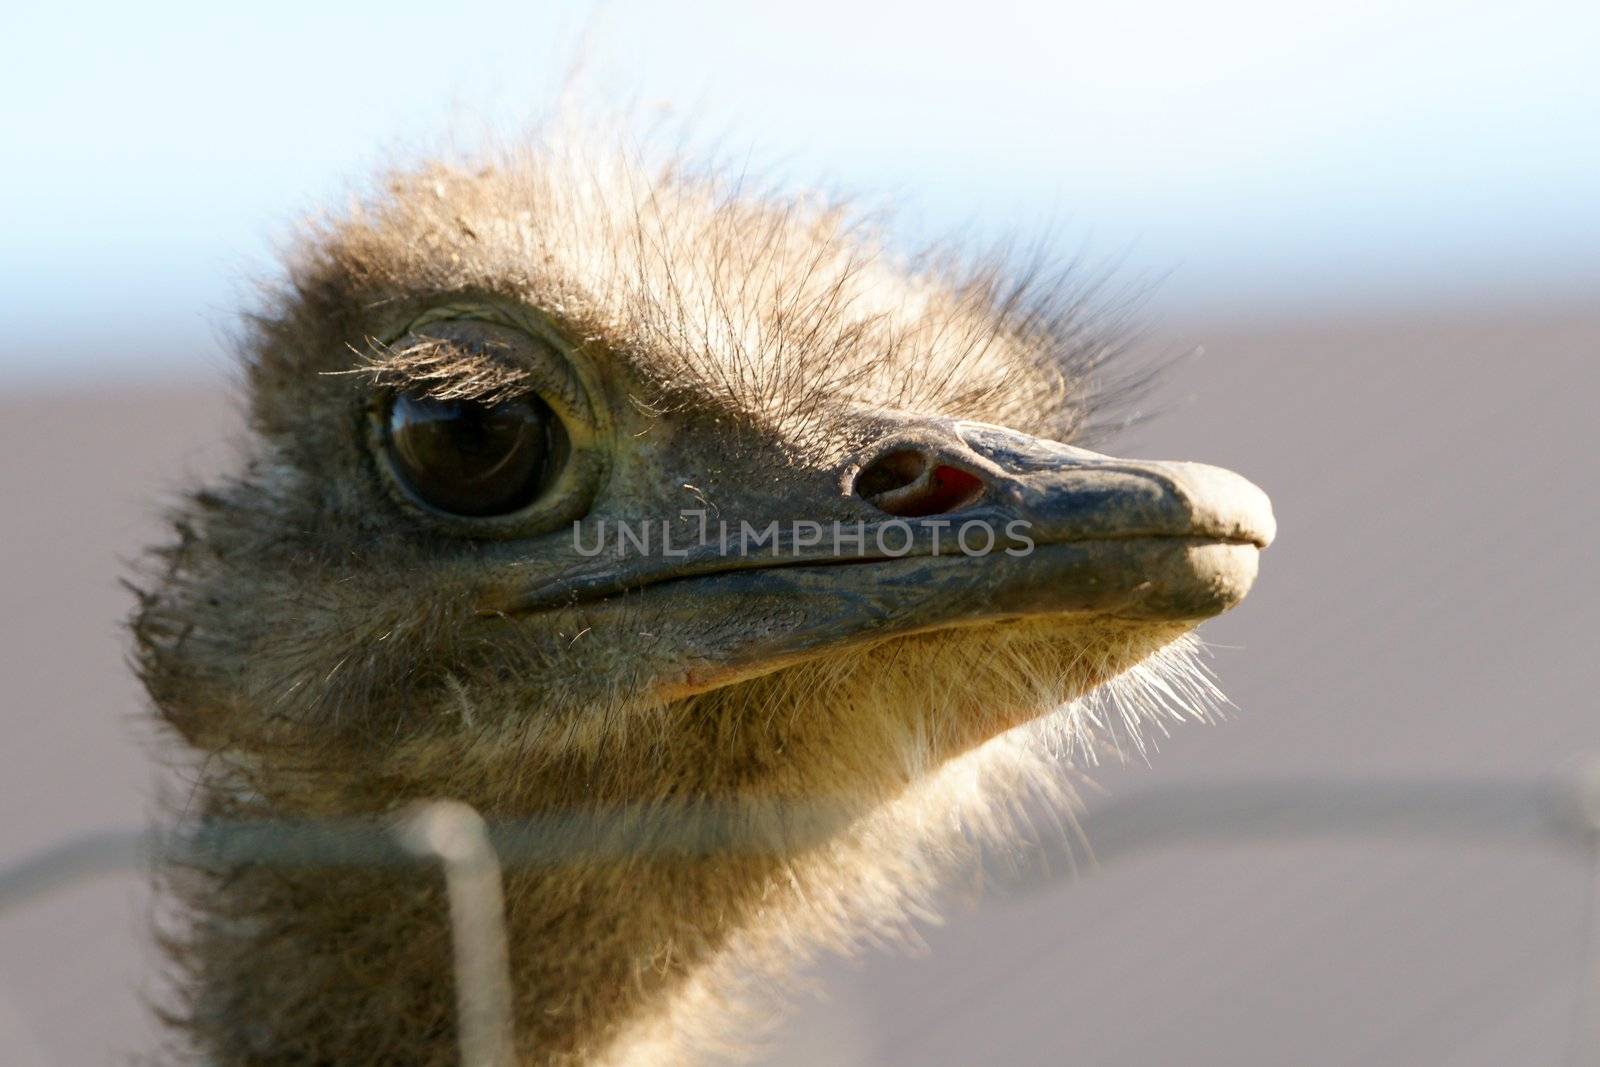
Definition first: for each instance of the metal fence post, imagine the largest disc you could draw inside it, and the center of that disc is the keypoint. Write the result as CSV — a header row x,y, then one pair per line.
x,y
455,835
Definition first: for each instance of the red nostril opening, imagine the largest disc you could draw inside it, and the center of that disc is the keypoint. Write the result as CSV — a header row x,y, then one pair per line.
x,y
949,489
910,484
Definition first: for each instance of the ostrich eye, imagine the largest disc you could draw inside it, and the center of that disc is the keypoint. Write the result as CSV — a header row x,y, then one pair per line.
x,y
474,459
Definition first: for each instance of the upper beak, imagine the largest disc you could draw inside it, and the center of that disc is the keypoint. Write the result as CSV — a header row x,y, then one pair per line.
x,y
1069,494
955,523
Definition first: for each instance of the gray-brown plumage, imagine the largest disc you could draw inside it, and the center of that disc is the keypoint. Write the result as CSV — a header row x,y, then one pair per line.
x,y
467,383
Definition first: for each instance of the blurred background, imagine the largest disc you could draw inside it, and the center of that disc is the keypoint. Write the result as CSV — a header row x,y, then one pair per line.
x,y
1379,222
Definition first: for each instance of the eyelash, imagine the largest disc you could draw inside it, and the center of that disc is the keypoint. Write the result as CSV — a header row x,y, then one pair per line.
x,y
440,371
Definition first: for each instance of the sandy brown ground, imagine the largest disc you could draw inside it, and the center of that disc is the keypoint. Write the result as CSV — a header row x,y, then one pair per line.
x,y
1431,607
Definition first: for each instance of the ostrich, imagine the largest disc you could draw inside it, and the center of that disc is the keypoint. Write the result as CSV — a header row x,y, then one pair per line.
x,y
502,418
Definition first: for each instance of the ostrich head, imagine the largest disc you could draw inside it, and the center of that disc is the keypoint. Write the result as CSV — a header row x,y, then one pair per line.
x,y
572,488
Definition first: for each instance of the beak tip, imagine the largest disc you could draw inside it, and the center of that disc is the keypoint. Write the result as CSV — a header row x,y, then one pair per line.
x,y
1228,504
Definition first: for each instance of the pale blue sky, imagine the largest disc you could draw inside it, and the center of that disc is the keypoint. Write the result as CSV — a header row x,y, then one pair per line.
x,y
1263,157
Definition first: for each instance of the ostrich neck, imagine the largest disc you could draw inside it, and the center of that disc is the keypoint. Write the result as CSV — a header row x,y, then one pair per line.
x,y
352,966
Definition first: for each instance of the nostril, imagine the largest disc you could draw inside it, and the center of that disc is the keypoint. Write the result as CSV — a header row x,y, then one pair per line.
x,y
911,484
948,489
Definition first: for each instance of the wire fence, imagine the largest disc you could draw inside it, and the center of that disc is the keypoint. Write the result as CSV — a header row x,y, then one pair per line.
x,y
1561,811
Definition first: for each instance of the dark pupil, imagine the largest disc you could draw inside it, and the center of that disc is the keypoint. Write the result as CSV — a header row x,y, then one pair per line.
x,y
474,459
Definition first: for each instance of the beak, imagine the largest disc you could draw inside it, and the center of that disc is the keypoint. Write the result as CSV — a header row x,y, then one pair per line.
x,y
945,523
